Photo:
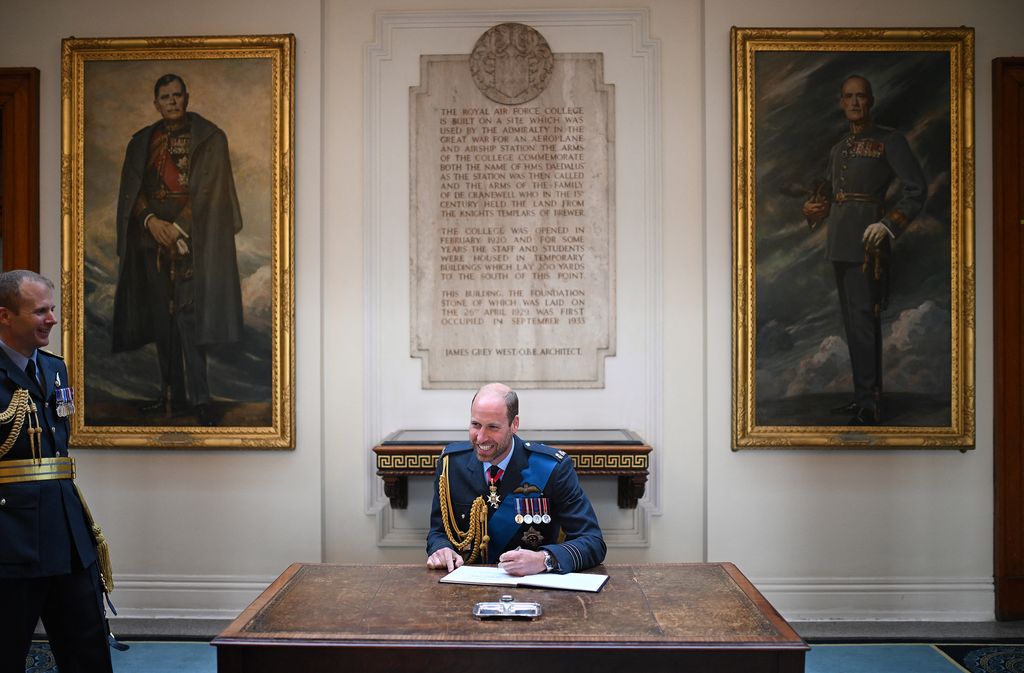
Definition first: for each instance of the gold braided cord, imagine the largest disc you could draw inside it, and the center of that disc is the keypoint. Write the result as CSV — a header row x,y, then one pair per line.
x,y
102,547
21,407
15,407
34,430
475,538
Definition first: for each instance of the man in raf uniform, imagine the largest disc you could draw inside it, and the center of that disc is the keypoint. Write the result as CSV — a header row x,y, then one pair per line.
x,y
861,168
500,499
50,565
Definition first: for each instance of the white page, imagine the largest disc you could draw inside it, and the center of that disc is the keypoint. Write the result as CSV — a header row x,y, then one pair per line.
x,y
489,575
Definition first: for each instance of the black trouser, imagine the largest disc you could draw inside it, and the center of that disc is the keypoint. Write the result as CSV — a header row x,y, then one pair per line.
x,y
182,360
859,301
71,607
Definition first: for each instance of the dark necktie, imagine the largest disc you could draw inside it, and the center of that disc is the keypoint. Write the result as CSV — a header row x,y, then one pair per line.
x,y
30,369
495,475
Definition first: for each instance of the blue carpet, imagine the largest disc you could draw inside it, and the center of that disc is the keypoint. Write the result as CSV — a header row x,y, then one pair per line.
x,y
884,658
141,657
878,659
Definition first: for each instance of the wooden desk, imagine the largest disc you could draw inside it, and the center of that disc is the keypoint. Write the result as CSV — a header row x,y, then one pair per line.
x,y
618,453
648,619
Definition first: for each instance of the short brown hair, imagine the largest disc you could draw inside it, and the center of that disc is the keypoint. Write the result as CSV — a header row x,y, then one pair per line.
x,y
510,397
10,286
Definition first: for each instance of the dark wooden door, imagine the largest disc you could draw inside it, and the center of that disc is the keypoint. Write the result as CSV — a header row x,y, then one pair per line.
x,y
19,168
1008,253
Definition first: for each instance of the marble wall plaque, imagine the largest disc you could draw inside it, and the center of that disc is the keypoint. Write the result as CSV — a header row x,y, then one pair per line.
x,y
512,230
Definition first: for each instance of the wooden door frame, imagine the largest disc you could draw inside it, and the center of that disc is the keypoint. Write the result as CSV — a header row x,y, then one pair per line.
x,y
19,113
1008,285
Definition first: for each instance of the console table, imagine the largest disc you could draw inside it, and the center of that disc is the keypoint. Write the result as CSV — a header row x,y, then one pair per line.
x,y
618,453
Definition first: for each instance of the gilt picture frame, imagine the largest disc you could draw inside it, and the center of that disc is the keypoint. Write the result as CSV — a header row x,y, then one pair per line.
x,y
177,299
847,334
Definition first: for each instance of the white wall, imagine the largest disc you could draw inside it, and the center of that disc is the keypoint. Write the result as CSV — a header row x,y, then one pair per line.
x,y
349,199
195,532
824,534
886,534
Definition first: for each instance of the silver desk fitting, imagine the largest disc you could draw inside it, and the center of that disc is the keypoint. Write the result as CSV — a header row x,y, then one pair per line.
x,y
507,608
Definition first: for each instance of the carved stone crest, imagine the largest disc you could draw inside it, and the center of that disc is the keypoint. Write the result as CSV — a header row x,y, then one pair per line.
x,y
511,63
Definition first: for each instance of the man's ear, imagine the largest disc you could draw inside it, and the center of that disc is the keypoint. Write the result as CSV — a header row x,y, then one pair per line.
x,y
515,424
5,315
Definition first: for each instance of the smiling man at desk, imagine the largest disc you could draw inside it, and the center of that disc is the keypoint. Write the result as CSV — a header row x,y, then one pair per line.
x,y
500,499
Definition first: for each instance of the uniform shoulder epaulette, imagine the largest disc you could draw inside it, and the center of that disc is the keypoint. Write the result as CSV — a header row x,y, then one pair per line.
x,y
457,447
557,454
52,355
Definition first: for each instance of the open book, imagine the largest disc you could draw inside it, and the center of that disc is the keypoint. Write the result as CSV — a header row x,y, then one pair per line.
x,y
489,575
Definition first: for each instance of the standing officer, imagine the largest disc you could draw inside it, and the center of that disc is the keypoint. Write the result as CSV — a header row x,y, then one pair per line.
x,y
500,499
861,168
49,565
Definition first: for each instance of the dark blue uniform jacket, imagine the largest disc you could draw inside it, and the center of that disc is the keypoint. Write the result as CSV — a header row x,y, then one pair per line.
x,y
569,508
43,531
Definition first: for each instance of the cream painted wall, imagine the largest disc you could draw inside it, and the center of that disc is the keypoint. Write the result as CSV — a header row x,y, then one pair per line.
x,y
826,535
632,396
898,534
349,28
196,533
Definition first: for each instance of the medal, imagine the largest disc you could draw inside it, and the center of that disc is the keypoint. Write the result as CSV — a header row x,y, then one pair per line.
x,y
65,399
528,519
519,511
493,499
545,517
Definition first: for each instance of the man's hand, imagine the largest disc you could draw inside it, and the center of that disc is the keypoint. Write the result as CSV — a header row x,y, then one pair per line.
x,y
163,231
445,557
816,210
519,562
875,234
